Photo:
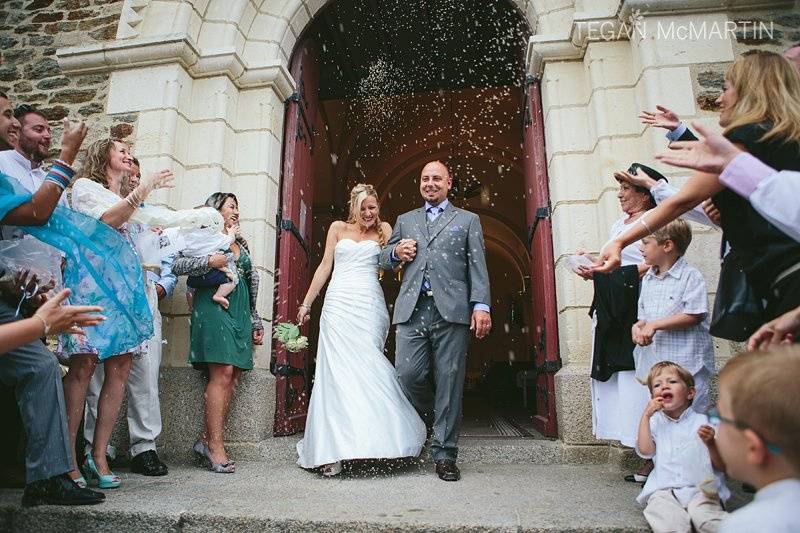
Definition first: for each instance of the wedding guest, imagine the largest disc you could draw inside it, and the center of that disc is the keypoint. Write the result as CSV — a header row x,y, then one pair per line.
x,y
31,369
617,397
144,405
222,339
8,124
673,311
761,112
107,162
758,434
683,492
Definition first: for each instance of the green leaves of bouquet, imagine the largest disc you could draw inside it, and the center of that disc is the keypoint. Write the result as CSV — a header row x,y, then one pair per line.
x,y
288,335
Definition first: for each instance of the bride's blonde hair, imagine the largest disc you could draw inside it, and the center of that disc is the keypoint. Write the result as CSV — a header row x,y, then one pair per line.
x,y
358,194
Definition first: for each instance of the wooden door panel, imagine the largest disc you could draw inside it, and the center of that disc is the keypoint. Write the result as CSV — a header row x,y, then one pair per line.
x,y
544,327
293,382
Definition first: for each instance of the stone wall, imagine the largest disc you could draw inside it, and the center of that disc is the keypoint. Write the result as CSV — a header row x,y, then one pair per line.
x,y
31,31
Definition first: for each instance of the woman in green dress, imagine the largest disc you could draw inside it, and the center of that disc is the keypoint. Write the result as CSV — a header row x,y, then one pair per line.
x,y
222,339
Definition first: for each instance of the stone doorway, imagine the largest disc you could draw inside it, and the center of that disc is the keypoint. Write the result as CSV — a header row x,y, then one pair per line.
x,y
403,83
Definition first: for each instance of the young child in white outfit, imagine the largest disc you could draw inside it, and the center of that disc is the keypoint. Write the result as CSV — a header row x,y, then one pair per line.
x,y
673,312
683,490
208,240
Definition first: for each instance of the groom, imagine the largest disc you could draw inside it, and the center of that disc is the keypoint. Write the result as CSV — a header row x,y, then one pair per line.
x,y
444,295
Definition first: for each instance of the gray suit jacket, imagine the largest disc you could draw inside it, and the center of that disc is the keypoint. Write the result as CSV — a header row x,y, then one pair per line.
x,y
454,256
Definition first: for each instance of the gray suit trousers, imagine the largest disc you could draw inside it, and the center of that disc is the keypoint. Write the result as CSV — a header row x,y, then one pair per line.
x,y
36,377
428,342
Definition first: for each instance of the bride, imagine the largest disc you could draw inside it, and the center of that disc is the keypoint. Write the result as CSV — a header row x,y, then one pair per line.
x,y
357,408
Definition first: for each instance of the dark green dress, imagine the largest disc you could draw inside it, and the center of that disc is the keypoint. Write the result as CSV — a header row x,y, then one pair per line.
x,y
219,335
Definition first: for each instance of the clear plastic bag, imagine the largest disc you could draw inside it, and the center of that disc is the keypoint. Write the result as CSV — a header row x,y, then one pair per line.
x,y
644,357
573,262
35,257
148,248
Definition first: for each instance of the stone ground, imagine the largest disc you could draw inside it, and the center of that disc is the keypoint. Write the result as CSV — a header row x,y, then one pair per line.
x,y
368,496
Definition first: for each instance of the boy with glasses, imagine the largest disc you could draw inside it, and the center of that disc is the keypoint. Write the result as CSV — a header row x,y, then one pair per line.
x,y
759,437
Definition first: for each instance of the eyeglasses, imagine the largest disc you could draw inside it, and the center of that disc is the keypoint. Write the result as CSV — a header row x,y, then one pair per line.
x,y
715,418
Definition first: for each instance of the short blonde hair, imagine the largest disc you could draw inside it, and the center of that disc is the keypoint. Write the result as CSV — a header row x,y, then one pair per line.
x,y
764,393
678,231
659,367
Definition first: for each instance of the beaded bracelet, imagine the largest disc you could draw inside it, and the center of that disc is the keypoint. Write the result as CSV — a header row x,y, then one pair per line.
x,y
61,174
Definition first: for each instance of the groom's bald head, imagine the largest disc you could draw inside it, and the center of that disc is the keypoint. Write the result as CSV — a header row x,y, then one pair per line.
x,y
435,182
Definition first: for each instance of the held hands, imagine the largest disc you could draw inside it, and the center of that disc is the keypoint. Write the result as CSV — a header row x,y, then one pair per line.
x,y
663,118
655,404
706,434
67,318
406,250
258,337
480,323
642,333
710,155
71,140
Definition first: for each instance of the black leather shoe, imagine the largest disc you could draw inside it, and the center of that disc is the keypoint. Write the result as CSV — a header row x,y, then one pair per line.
x,y
59,490
148,464
447,470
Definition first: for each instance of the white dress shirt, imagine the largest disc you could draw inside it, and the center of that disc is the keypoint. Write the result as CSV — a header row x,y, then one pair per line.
x,y
681,289
17,166
776,508
682,462
20,168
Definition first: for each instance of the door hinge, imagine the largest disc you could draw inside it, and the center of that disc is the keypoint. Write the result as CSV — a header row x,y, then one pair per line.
x,y
541,213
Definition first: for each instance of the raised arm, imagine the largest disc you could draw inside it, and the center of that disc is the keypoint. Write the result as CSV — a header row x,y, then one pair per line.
x,y
122,210
37,212
699,187
322,273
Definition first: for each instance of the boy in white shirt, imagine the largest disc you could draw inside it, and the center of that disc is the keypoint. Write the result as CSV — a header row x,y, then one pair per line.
x,y
683,491
759,437
673,311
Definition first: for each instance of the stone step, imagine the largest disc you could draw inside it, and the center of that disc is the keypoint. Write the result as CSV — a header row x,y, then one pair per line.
x,y
262,496
472,450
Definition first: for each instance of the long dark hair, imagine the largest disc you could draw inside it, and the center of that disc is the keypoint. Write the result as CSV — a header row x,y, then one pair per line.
x,y
217,200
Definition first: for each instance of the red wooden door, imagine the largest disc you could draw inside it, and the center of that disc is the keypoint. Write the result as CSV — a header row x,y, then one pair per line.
x,y
544,326
293,384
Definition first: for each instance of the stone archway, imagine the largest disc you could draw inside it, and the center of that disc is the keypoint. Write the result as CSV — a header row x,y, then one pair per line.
x,y
206,84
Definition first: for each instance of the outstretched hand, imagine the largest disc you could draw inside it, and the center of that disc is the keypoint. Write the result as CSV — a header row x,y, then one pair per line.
x,y
783,330
640,179
711,155
610,258
662,118
71,140
68,318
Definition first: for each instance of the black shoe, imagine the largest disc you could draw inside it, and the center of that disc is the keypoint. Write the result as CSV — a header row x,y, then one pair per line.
x,y
148,464
748,488
59,490
447,470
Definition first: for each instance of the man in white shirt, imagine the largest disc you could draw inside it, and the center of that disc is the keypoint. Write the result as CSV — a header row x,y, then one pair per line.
x,y
24,163
9,126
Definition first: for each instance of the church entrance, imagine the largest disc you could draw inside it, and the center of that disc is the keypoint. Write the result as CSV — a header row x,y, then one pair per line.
x,y
383,88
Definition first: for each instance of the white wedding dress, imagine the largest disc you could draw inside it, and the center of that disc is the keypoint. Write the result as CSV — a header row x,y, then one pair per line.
x,y
357,408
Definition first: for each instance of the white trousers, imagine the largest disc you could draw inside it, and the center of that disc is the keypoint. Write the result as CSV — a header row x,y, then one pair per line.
x,y
144,407
665,513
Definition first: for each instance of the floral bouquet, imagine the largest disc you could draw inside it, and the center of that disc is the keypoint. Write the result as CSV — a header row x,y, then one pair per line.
x,y
288,335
